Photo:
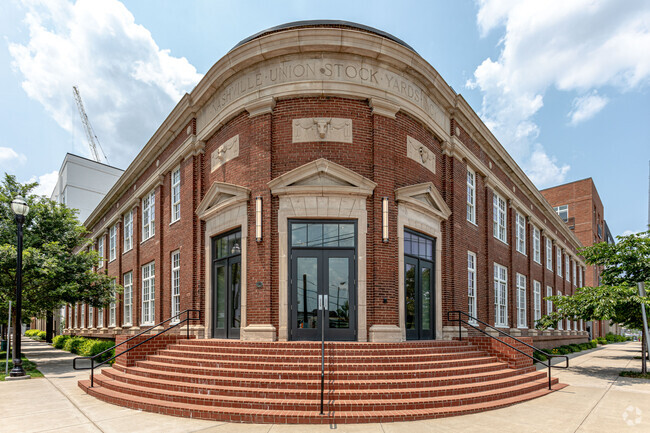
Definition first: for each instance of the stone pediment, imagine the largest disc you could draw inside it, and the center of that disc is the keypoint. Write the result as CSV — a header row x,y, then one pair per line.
x,y
426,198
221,196
322,177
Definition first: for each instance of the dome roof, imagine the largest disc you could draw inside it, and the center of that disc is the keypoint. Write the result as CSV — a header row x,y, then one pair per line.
x,y
325,24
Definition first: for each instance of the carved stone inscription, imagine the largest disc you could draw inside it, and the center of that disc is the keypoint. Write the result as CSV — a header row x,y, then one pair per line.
x,y
270,74
322,129
420,153
224,153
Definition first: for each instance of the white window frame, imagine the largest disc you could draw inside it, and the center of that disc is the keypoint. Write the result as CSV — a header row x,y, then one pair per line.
x,y
549,254
148,294
76,316
128,230
521,301
83,315
471,195
100,317
500,218
573,271
537,300
560,324
112,319
91,318
176,284
562,209
581,325
471,285
70,322
537,245
100,250
558,260
549,303
580,277
500,296
149,216
127,279
567,267
175,180
112,243
521,233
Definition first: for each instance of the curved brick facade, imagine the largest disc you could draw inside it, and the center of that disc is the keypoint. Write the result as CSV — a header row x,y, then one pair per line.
x,y
383,125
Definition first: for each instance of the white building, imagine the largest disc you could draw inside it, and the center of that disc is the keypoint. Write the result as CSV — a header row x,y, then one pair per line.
x,y
83,183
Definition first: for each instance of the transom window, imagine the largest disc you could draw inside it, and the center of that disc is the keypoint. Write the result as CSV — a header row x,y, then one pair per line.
x,y
128,231
537,245
521,301
499,214
228,245
563,212
471,284
128,298
471,196
521,233
148,293
176,284
176,194
501,295
418,246
148,215
322,235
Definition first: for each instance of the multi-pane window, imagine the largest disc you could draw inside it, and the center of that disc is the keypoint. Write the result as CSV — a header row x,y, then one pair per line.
x,y
501,295
573,269
537,300
69,324
176,194
111,307
521,233
471,196
567,271
499,216
521,301
112,241
91,319
537,245
76,316
560,324
100,250
471,284
549,303
563,212
128,298
83,315
148,293
580,276
549,254
148,215
558,261
100,317
176,284
581,325
128,230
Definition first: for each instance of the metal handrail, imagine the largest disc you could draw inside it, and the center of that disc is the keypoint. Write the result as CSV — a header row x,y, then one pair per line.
x,y
549,356
92,367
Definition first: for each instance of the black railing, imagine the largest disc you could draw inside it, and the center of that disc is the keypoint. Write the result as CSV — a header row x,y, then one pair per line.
x,y
93,366
549,356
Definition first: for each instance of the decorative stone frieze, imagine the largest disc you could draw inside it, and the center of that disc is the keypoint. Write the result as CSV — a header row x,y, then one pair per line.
x,y
224,153
421,154
322,129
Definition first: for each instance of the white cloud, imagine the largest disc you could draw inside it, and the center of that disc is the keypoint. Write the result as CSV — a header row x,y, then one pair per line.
x,y
575,46
8,154
586,107
46,183
128,84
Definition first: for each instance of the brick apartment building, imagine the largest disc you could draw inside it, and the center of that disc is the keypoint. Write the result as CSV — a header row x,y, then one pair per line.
x,y
322,176
580,207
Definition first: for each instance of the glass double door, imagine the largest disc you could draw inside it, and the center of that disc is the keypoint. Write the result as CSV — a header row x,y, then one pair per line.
x,y
226,286
419,285
323,294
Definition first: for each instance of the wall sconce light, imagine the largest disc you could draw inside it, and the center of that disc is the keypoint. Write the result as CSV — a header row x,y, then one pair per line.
x,y
258,219
384,219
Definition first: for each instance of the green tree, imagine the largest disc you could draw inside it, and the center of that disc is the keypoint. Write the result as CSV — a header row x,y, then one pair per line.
x,y
623,265
57,268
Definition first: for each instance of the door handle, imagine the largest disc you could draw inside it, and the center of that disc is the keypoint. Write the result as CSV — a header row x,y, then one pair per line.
x,y
320,302
325,303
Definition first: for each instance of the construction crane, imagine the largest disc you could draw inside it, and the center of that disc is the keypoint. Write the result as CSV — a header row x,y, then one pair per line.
x,y
93,141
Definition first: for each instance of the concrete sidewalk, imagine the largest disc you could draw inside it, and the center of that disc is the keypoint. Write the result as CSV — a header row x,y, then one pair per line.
x,y
597,400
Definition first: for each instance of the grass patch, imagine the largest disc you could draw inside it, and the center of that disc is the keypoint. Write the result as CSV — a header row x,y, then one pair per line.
x,y
29,366
634,374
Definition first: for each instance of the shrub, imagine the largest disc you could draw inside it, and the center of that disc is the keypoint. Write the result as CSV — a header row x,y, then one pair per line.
x,y
41,335
593,344
73,344
31,333
539,356
575,347
562,350
91,347
602,340
59,341
585,346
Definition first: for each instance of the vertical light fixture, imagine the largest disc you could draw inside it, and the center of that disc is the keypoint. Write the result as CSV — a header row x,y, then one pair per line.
x,y
384,219
258,219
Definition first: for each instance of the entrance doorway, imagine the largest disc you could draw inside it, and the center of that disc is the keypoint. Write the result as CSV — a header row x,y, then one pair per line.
x,y
226,285
323,280
419,285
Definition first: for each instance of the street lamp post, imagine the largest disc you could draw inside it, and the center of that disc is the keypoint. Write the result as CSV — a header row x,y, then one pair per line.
x,y
20,209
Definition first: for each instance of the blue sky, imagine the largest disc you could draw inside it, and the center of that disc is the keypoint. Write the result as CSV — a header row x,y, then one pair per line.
x,y
563,86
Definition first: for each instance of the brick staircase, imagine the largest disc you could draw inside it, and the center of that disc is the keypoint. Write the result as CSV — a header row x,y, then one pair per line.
x,y
279,382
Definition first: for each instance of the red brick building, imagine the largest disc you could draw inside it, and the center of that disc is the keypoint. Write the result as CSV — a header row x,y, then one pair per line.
x,y
339,169
580,207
